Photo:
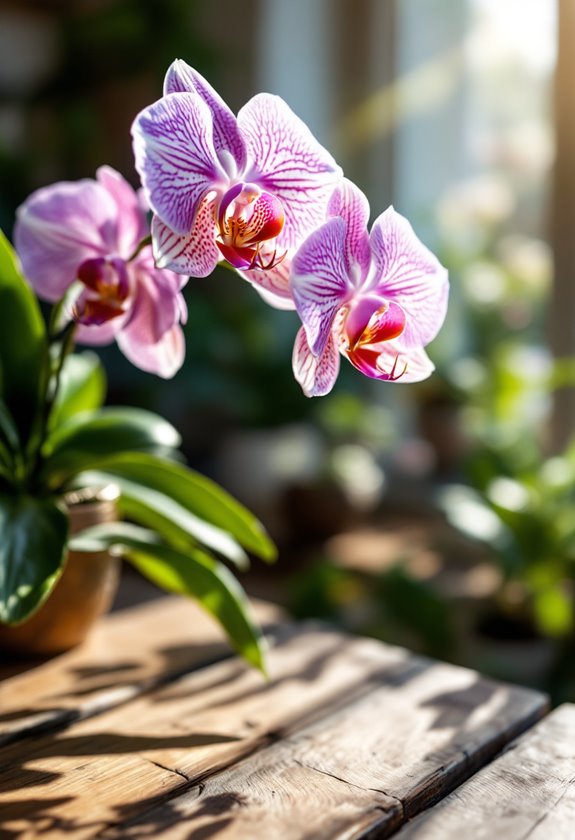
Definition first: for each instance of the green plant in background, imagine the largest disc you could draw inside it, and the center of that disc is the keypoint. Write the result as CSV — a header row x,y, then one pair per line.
x,y
390,605
521,507
56,436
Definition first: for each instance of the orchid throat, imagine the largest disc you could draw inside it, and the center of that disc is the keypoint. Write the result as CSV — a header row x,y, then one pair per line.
x,y
248,221
106,290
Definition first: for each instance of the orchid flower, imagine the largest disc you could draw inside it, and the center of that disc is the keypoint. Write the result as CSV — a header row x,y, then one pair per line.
x,y
93,231
377,298
247,189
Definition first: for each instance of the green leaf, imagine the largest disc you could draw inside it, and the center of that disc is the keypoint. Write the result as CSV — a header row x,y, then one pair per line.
x,y
193,572
23,344
33,536
82,387
88,439
197,494
180,528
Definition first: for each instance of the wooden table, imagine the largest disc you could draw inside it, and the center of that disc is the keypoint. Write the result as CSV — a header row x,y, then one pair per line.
x,y
152,729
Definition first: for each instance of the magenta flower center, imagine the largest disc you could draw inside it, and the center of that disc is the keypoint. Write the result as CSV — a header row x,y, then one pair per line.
x,y
248,220
366,323
107,287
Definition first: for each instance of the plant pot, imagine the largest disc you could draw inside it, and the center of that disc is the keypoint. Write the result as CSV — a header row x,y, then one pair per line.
x,y
84,591
511,650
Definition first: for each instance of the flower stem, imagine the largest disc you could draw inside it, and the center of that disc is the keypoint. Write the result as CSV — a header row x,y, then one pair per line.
x,y
147,240
60,344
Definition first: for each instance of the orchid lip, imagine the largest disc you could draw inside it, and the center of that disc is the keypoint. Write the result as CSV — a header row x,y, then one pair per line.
x,y
107,288
248,217
371,320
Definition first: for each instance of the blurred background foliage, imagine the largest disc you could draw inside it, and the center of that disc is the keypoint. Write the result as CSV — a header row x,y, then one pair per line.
x,y
438,516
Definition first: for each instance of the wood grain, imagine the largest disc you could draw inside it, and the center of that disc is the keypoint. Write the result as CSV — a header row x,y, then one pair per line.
x,y
360,771
117,765
529,791
350,736
129,652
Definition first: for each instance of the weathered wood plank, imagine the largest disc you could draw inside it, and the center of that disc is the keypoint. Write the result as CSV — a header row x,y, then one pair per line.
x,y
127,653
359,772
529,791
116,765
349,737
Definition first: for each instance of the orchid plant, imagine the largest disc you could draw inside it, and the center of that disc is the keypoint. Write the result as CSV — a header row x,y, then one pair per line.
x,y
256,192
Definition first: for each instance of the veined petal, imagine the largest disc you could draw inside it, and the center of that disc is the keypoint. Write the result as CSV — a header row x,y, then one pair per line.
x,y
164,358
176,158
60,226
391,361
181,78
289,162
319,281
273,284
131,225
348,201
316,375
405,271
194,254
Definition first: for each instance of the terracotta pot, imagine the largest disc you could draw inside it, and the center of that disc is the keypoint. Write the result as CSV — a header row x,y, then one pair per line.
x,y
84,591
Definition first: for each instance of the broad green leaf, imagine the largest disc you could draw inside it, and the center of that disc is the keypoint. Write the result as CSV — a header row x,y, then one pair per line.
x,y
197,494
180,528
87,439
23,344
33,536
193,572
82,387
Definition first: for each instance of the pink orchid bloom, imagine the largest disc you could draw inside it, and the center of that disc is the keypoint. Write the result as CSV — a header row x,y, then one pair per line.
x,y
247,189
90,231
377,298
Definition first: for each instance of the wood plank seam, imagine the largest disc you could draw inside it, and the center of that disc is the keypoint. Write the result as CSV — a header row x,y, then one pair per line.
x,y
484,755
528,791
448,777
364,717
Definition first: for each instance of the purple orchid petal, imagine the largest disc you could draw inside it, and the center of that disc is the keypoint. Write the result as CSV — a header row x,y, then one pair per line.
x,y
288,162
316,375
351,204
155,306
60,226
164,358
196,254
273,284
405,271
102,334
131,226
181,78
319,281
175,157
151,338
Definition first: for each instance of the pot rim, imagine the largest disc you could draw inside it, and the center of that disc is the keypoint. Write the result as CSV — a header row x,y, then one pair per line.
x,y
93,494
